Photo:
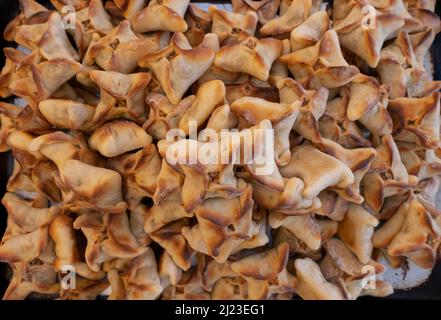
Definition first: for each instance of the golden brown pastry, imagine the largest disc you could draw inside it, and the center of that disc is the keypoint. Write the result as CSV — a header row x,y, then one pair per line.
x,y
120,93
118,137
120,49
228,24
172,74
265,149
249,55
364,39
165,15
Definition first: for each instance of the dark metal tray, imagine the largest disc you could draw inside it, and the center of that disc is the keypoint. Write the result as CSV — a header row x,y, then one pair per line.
x,y
431,289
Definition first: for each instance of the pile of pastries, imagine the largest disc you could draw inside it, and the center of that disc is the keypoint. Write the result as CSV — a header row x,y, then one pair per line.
x,y
94,87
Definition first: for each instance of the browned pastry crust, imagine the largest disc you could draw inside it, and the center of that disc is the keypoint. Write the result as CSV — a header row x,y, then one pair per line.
x,y
133,163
